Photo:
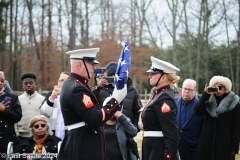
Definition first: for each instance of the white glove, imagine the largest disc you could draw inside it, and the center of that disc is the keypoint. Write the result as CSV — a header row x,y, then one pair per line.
x,y
119,95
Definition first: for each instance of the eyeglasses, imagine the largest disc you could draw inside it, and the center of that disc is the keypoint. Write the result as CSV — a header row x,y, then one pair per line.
x,y
26,83
38,125
61,80
188,89
219,87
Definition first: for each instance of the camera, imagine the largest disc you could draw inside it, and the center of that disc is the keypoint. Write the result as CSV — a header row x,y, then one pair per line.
x,y
99,70
110,79
213,89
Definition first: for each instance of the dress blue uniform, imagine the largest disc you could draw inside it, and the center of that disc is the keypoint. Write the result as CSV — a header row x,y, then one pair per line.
x,y
159,117
83,116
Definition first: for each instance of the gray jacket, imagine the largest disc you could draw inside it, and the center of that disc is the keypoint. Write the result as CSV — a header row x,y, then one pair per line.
x,y
7,87
123,125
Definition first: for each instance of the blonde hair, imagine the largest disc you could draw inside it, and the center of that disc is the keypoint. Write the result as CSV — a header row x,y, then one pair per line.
x,y
173,78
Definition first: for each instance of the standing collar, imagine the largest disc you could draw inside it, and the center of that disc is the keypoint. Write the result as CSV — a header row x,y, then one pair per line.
x,y
78,77
159,90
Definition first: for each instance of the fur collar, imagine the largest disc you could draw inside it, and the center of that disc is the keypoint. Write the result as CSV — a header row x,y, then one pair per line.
x,y
227,104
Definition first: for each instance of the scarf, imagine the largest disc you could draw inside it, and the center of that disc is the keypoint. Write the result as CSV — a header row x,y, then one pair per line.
x,y
39,143
1,91
227,104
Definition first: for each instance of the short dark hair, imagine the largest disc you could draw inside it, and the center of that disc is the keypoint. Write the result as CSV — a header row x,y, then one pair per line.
x,y
65,72
28,75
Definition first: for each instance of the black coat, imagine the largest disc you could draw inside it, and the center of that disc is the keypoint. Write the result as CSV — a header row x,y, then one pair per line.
x,y
79,104
27,145
11,115
221,126
131,103
156,118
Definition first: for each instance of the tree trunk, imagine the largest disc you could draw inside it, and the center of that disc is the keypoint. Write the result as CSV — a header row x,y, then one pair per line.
x,y
61,34
228,48
72,38
42,60
10,45
15,55
29,5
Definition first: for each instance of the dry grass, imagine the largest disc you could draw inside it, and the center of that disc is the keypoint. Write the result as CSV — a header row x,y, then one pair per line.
x,y
139,137
237,157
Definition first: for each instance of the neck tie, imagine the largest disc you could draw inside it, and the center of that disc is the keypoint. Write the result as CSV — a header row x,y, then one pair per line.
x,y
183,114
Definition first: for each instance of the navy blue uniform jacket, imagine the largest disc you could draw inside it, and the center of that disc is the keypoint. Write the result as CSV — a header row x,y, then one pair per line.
x,y
160,114
79,104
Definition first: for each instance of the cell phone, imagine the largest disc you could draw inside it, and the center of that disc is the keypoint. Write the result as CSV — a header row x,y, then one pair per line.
x,y
110,79
213,89
99,70
7,99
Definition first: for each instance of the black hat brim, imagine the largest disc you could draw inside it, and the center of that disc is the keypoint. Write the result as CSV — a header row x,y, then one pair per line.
x,y
152,71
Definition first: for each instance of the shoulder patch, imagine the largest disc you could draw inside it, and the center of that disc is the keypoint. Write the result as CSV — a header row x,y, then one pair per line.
x,y
87,101
165,108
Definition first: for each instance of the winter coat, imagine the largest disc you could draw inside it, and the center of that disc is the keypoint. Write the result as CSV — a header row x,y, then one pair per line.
x,y
160,114
124,126
221,127
27,145
131,103
79,104
11,115
189,133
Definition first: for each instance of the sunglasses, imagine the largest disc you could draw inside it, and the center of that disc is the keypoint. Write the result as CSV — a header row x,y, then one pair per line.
x,y
38,125
220,87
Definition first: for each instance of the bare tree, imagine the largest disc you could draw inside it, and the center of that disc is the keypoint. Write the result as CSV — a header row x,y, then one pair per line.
x,y
61,33
174,6
72,32
142,8
32,35
228,43
10,45
15,52
42,60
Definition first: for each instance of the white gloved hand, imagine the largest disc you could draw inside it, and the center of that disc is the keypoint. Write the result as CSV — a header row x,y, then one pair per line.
x,y
119,95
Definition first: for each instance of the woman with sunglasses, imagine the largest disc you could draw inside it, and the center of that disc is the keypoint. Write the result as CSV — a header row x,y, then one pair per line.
x,y
42,140
219,139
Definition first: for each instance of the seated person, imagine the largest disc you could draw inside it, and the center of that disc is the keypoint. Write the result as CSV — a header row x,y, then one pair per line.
x,y
42,140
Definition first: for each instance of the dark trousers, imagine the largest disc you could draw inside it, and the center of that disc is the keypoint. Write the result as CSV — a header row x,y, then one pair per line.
x,y
185,153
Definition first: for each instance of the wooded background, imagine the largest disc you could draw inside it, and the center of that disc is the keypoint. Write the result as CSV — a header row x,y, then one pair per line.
x,y
201,37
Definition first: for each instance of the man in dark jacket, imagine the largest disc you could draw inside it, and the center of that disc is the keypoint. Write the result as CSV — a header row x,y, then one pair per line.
x,y
131,103
189,124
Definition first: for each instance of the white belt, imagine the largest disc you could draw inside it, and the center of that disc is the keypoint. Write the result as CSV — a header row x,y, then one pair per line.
x,y
152,134
76,125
